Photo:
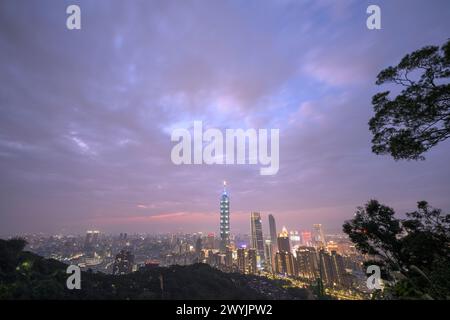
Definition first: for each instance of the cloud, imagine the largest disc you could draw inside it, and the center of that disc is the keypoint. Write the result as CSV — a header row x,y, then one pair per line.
x,y
85,116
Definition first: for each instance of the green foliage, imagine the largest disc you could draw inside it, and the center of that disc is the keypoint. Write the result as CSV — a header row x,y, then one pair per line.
x,y
418,118
413,252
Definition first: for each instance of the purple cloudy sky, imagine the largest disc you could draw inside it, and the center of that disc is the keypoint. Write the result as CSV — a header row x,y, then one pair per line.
x,y
85,116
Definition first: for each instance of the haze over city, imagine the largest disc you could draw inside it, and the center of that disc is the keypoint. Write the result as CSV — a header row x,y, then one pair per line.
x,y
86,116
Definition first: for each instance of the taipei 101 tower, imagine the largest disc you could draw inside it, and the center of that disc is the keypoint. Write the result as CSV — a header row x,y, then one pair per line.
x,y
224,219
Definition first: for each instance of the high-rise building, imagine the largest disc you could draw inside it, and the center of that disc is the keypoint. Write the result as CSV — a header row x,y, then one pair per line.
x,y
123,236
273,232
307,264
211,260
339,273
332,270
210,239
91,242
283,241
91,238
123,263
241,261
285,263
284,259
198,245
224,219
269,256
252,261
294,238
319,236
88,239
306,238
228,257
325,267
257,234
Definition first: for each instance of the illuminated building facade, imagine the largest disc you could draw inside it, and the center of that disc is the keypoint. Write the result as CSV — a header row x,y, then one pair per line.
x,y
224,219
123,263
252,261
241,260
257,234
269,256
273,232
284,259
319,236
283,241
307,264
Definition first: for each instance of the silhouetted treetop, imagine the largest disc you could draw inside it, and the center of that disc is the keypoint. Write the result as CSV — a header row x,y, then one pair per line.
x,y
418,118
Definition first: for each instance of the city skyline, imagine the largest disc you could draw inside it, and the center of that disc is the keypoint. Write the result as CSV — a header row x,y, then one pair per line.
x,y
85,124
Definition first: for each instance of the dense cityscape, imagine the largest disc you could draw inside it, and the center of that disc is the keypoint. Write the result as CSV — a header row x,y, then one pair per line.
x,y
120,120
327,263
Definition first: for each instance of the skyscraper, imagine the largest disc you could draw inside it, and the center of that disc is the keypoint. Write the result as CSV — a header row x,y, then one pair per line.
x,y
269,256
284,259
257,234
224,219
306,238
210,241
294,237
273,232
123,262
285,264
241,261
229,258
252,259
283,241
91,242
307,264
91,239
198,245
319,236
332,270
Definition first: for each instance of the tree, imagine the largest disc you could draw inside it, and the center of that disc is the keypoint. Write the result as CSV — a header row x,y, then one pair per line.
x,y
414,253
418,118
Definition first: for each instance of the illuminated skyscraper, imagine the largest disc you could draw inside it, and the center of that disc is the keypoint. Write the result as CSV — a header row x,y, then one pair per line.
x,y
198,245
273,232
284,259
319,236
224,219
283,241
337,263
269,256
307,263
332,270
252,261
229,258
91,239
123,263
285,263
306,238
210,241
294,237
257,234
241,260
91,242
